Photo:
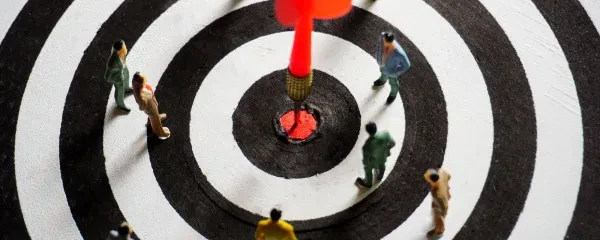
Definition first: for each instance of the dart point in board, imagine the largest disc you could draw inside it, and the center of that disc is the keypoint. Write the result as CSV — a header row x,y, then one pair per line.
x,y
300,14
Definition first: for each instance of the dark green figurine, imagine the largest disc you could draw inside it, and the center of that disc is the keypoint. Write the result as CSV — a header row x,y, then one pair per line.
x,y
375,152
117,73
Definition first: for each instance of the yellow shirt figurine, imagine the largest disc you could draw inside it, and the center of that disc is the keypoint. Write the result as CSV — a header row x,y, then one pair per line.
x,y
274,228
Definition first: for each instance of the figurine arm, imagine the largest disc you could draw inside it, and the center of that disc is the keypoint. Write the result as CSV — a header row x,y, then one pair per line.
x,y
289,229
110,74
259,233
380,52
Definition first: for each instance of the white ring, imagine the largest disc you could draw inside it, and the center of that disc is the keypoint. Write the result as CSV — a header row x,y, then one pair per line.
x,y
592,8
257,191
147,209
10,11
479,124
470,124
37,163
559,157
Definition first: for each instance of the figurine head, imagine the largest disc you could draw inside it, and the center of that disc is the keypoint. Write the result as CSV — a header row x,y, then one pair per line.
x,y
120,48
371,128
436,175
139,78
124,229
275,215
388,38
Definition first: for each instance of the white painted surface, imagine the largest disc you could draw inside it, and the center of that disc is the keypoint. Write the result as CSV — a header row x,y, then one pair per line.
x,y
137,192
554,187
250,187
9,11
478,128
37,165
470,129
592,7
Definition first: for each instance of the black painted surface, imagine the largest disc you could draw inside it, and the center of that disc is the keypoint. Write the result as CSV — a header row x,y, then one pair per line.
x,y
372,218
513,158
81,152
580,42
267,99
19,50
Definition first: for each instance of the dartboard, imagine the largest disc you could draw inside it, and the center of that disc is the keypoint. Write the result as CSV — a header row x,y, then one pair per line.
x,y
504,94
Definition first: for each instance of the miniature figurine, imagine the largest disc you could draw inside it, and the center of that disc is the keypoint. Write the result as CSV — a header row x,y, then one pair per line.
x,y
144,96
274,228
300,14
123,233
375,152
440,192
117,73
392,61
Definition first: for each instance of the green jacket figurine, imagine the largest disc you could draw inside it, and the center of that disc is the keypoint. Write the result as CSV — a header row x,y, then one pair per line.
x,y
117,73
375,152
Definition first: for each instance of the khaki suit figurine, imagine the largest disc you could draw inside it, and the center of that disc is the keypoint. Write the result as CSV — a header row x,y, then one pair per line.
x,y
440,192
144,96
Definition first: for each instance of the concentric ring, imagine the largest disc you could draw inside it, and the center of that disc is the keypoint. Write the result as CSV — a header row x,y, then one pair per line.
x,y
16,62
38,150
572,42
301,198
257,133
206,58
580,42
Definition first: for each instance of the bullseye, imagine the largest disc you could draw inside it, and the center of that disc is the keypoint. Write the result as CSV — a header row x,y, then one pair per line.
x,y
300,129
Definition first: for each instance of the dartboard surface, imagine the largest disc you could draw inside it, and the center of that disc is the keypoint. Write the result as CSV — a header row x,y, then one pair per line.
x,y
503,94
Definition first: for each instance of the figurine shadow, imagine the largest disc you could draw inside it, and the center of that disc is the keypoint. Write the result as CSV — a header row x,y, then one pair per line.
x,y
233,3
115,112
380,112
368,3
368,100
434,237
127,164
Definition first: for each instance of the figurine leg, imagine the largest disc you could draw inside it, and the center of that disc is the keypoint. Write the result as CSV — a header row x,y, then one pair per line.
x,y
368,180
158,129
126,86
394,83
120,97
162,116
380,171
155,122
380,81
439,226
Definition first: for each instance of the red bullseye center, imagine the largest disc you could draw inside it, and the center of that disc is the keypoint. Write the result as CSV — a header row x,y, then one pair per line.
x,y
307,124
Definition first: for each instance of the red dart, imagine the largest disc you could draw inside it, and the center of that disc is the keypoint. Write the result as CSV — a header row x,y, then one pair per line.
x,y
300,13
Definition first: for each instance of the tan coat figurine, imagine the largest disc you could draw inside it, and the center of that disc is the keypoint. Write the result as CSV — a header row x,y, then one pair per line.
x,y
144,96
440,193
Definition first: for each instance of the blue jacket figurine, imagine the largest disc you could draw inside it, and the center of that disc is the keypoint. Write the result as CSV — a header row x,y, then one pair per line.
x,y
393,61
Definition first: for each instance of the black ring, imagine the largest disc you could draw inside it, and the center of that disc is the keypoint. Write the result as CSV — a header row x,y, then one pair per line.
x,y
515,134
18,51
424,140
580,41
30,18
82,165
263,140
